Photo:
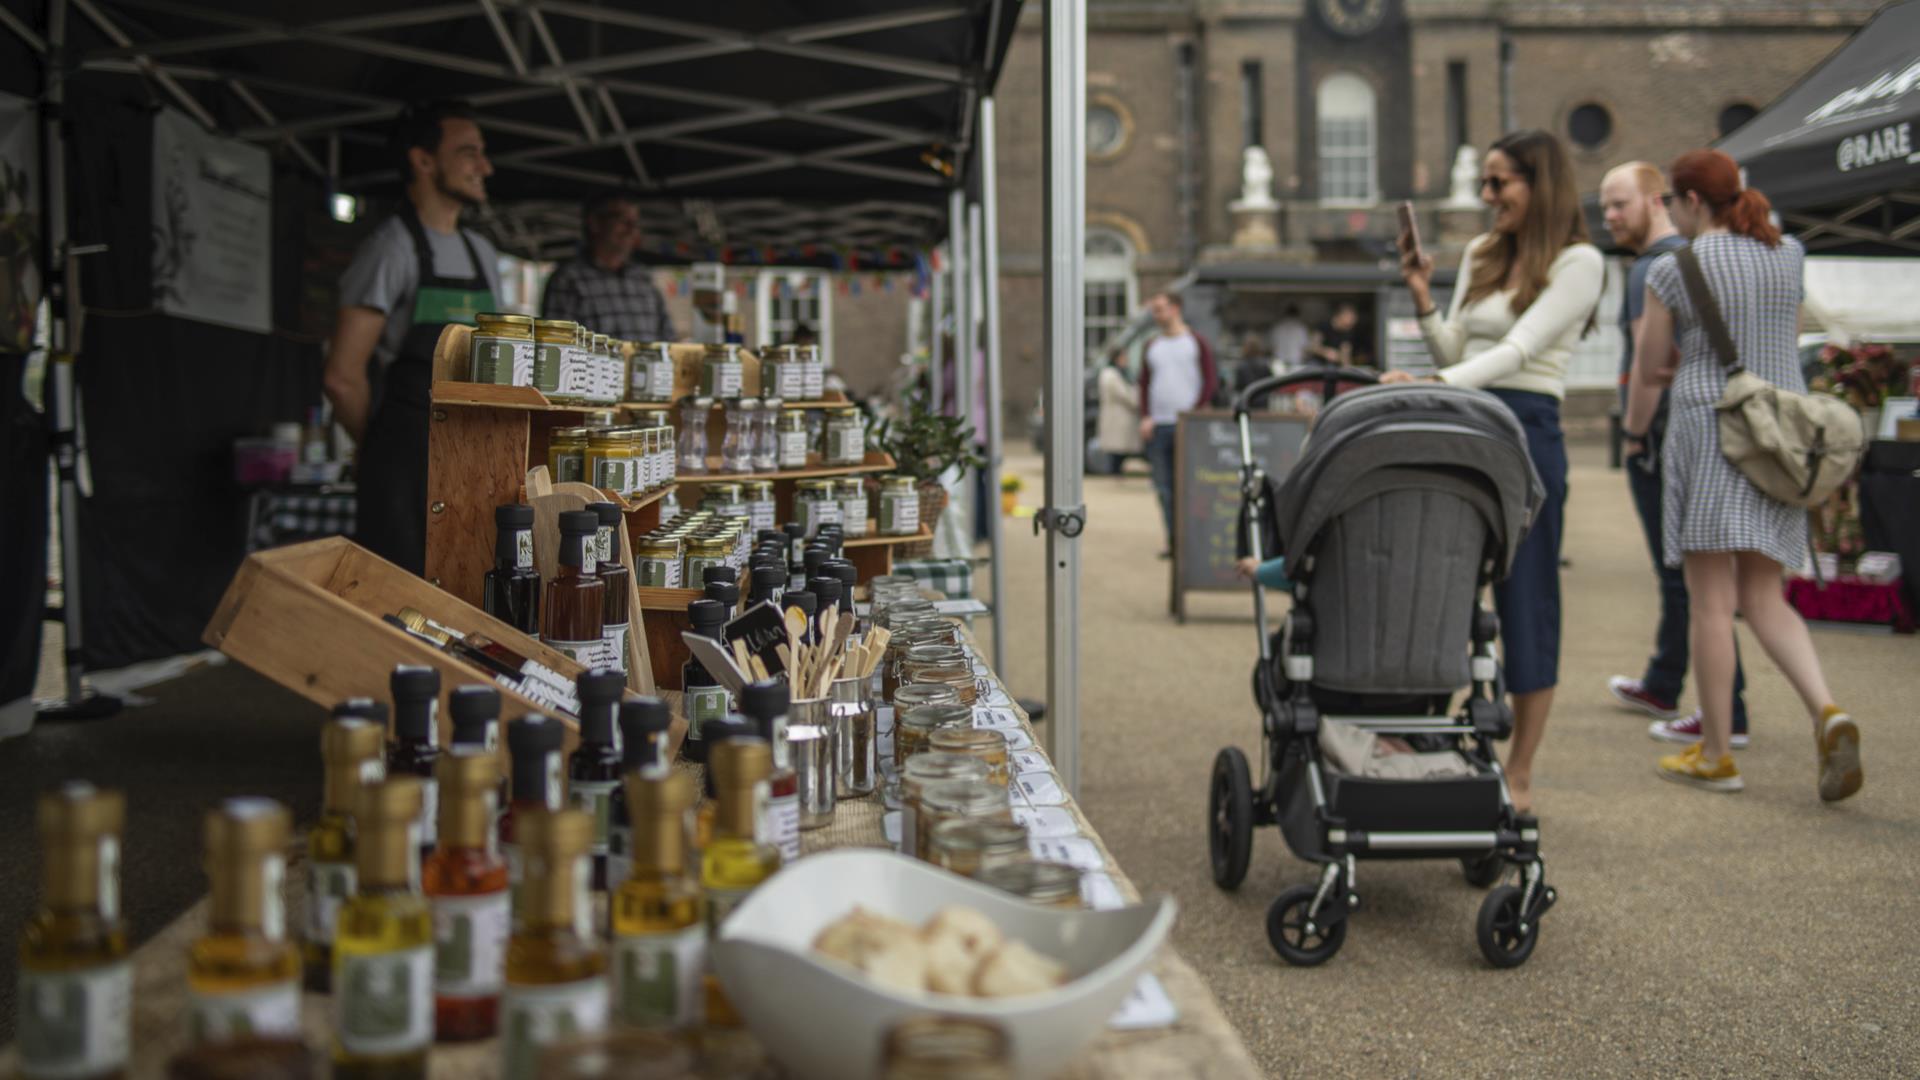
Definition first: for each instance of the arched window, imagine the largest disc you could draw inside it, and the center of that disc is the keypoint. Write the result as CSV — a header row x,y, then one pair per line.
x,y
1345,108
1111,288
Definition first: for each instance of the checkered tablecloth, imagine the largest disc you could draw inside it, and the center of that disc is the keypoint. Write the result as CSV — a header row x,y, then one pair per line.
x,y
288,516
953,577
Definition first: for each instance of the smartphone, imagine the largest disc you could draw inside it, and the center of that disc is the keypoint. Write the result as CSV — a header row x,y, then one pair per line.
x,y
1410,229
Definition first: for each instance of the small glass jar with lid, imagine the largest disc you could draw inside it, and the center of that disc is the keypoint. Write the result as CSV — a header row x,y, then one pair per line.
x,y
899,507
765,442
791,439
650,372
945,1048
846,437
967,846
957,800
607,457
987,744
815,504
721,371
958,675
762,511
921,771
666,465
692,452
1049,884
922,712
551,339
852,493
724,500
656,561
502,349
702,553
783,373
602,385
736,446
814,384
567,455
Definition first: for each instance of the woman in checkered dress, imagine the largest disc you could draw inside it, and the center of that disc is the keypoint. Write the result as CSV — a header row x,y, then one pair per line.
x,y
1731,539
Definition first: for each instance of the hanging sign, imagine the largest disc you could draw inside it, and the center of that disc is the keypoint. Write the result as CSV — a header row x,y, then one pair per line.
x,y
19,223
212,226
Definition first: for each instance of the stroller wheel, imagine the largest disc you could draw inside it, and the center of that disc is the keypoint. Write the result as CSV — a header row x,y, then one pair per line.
x,y
1301,941
1506,936
1483,871
1230,818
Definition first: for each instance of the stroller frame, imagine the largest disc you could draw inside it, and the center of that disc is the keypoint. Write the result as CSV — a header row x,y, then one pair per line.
x,y
1306,924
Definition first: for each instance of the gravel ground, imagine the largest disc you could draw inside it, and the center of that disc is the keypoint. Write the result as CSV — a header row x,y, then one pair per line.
x,y
1761,934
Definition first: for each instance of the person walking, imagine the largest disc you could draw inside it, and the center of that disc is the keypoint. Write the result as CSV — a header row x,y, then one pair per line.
x,y
1633,198
1731,539
604,288
1178,376
1118,427
1526,293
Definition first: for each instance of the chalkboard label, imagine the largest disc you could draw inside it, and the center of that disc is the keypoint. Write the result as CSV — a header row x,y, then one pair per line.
x,y
1206,488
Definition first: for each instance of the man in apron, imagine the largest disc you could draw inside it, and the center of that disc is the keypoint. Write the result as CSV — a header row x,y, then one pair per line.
x,y
415,273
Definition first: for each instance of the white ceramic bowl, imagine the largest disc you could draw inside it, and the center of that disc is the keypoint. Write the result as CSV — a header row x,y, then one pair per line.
x,y
825,1021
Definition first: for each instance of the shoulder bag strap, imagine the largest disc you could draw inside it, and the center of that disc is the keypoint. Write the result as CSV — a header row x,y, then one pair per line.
x,y
1707,308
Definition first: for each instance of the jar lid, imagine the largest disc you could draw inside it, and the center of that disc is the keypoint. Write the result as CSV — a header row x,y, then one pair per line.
x,y
968,740
935,654
978,834
1042,882
968,798
925,768
912,694
501,318
936,715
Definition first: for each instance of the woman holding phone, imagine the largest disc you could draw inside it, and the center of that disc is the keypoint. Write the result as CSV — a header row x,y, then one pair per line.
x,y
1527,291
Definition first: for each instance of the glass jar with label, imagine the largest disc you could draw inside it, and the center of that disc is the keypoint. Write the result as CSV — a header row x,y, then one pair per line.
x,y
919,714
852,493
761,509
657,562
600,383
922,771
736,445
791,438
668,466
721,372
724,500
899,507
814,384
765,443
967,846
815,504
607,457
703,552
987,744
957,800
502,349
552,338
650,372
783,373
567,455
846,437
958,675
1049,884
692,453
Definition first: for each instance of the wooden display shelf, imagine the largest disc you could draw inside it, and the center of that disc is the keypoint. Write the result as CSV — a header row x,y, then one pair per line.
x,y
876,462
522,398
837,401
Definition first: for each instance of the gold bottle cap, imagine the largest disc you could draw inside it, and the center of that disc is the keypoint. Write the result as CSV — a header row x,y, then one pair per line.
x,y
386,851
469,786
352,750
657,807
739,766
556,876
246,842
80,827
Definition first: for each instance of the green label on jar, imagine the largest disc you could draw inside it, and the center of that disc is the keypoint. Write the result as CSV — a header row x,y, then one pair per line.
x,y
705,704
546,368
654,573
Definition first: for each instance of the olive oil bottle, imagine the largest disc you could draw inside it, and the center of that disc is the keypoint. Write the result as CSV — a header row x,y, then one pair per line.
x,y
576,597
765,705
475,712
644,723
76,982
556,985
383,945
659,925
350,747
615,620
593,773
734,862
243,975
706,700
416,740
510,591
535,746
466,885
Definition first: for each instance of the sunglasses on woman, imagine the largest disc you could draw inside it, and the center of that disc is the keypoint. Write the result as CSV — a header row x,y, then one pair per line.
x,y
1499,183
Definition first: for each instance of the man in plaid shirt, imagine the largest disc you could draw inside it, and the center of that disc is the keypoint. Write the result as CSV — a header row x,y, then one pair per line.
x,y
603,288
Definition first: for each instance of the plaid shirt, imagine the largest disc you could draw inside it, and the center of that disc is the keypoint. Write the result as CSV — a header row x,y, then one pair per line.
x,y
624,304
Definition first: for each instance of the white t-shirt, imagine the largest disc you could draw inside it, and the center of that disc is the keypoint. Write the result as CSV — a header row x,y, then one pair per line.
x,y
1289,342
1174,363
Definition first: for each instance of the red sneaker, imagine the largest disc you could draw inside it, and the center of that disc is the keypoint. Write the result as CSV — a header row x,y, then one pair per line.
x,y
1687,730
1632,694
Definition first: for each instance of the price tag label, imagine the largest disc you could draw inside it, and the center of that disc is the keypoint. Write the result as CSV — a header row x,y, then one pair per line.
x,y
1031,761
998,719
1041,789
1046,821
1098,892
1148,1006
1075,851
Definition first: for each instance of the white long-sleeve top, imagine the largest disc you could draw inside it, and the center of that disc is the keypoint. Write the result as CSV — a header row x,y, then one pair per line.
x,y
1485,345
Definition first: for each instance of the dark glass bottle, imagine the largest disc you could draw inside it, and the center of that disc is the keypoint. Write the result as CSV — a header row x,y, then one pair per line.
x,y
415,745
644,723
796,552
726,593
511,590
815,556
576,597
615,623
475,712
711,574
849,576
765,705
593,775
706,699
536,745
768,584
826,590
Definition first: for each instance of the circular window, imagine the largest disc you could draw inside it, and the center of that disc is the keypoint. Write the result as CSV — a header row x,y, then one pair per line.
x,y
1109,126
1590,125
1735,116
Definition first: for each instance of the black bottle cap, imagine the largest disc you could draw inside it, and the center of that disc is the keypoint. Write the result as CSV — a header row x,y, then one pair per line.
x,y
530,740
763,700
472,707
725,592
826,590
767,536
848,575
768,578
579,522
794,530
816,554
362,708
414,682
711,574
772,559
707,616
608,513
600,686
513,516
643,732
808,603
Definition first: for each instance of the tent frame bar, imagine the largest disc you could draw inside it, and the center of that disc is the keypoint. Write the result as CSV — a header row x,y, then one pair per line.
x,y
989,233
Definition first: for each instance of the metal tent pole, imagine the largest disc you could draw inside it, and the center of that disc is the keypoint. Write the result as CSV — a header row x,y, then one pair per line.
x,y
936,350
987,243
1064,83
962,359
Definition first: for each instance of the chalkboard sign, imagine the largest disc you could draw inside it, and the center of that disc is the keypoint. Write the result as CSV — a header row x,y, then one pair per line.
x,y
1206,492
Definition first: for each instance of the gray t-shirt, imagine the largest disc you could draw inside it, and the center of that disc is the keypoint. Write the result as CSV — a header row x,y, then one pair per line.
x,y
385,272
1634,303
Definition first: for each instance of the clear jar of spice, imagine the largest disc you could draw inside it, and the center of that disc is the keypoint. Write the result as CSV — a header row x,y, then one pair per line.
x,y
791,438
899,507
692,450
502,351
652,372
814,385
852,493
657,563
762,511
784,373
922,771
1049,884
958,800
724,500
607,458
987,744
846,437
967,846
815,504
915,721
721,372
703,552
763,442
736,446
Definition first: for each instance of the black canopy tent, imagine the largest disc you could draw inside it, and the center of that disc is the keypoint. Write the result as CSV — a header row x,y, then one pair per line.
x,y
1839,153
821,134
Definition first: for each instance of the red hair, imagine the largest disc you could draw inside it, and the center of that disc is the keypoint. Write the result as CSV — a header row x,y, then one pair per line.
x,y
1716,179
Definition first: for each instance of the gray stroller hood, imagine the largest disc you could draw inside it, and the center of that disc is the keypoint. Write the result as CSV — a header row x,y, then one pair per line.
x,y
1386,438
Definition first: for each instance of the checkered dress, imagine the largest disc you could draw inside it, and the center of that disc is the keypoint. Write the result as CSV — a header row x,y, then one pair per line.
x,y
624,304
1707,504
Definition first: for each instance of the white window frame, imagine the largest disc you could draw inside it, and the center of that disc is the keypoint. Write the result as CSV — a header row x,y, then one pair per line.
x,y
766,281
1109,268
1328,96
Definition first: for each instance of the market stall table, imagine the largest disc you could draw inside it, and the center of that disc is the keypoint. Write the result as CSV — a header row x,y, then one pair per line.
x,y
1197,1042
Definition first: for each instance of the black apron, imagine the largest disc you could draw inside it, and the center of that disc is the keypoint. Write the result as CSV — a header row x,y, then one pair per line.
x,y
391,519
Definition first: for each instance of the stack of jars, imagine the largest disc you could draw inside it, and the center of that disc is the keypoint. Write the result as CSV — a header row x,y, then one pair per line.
x,y
626,460
845,438
675,555
566,361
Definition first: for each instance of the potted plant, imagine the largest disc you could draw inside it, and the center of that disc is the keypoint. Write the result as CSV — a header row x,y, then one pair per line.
x,y
924,445
1864,376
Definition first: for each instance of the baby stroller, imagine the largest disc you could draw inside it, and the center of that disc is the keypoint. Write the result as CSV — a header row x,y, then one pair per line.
x,y
1406,503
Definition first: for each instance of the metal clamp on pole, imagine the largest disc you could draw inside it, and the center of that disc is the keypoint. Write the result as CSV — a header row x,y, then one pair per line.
x,y
1068,523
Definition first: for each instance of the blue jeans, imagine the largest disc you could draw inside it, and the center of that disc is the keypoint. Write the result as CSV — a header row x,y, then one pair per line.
x,y
1528,601
1160,460
1666,673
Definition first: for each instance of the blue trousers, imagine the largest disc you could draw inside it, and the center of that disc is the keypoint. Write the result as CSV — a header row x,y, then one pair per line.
x,y
1160,461
1666,674
1528,601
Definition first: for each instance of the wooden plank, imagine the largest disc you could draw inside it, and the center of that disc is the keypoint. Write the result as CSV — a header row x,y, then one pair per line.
x,y
876,462
475,461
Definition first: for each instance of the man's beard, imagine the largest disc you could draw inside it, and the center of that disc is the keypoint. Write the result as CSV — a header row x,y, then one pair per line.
x,y
460,197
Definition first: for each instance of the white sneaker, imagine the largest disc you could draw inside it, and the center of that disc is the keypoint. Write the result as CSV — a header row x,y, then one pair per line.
x,y
1687,730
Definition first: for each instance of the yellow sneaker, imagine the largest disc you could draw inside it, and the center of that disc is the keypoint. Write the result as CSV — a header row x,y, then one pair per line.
x,y
1691,767
1840,772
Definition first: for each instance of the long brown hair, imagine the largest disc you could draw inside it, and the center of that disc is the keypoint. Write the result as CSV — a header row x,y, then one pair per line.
x,y
1553,221
1716,178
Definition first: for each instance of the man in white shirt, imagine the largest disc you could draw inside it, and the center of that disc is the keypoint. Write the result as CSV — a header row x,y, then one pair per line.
x,y
1177,376
1290,339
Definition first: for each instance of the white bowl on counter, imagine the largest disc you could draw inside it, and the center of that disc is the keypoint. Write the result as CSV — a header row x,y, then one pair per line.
x,y
824,1020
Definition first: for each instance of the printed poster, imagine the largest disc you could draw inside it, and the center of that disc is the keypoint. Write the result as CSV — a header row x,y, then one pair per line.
x,y
212,226
20,278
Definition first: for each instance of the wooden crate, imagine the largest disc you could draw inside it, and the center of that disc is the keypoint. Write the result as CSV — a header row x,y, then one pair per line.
x,y
308,616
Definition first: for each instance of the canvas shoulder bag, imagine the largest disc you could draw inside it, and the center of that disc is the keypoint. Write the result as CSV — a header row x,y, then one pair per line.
x,y
1797,448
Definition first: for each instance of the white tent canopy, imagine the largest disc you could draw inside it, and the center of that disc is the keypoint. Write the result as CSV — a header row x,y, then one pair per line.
x,y
1865,298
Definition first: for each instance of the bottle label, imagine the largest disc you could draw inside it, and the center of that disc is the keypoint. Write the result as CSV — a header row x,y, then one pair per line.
x,y
596,798
603,549
589,559
329,885
76,1023
523,549
108,882
657,978
586,653
615,637
619,855
264,1011
273,902
705,704
523,363
533,1016
793,449
783,826
383,1002
429,819
763,812
470,943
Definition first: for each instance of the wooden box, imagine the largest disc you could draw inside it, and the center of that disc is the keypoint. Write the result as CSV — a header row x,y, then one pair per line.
x,y
308,616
